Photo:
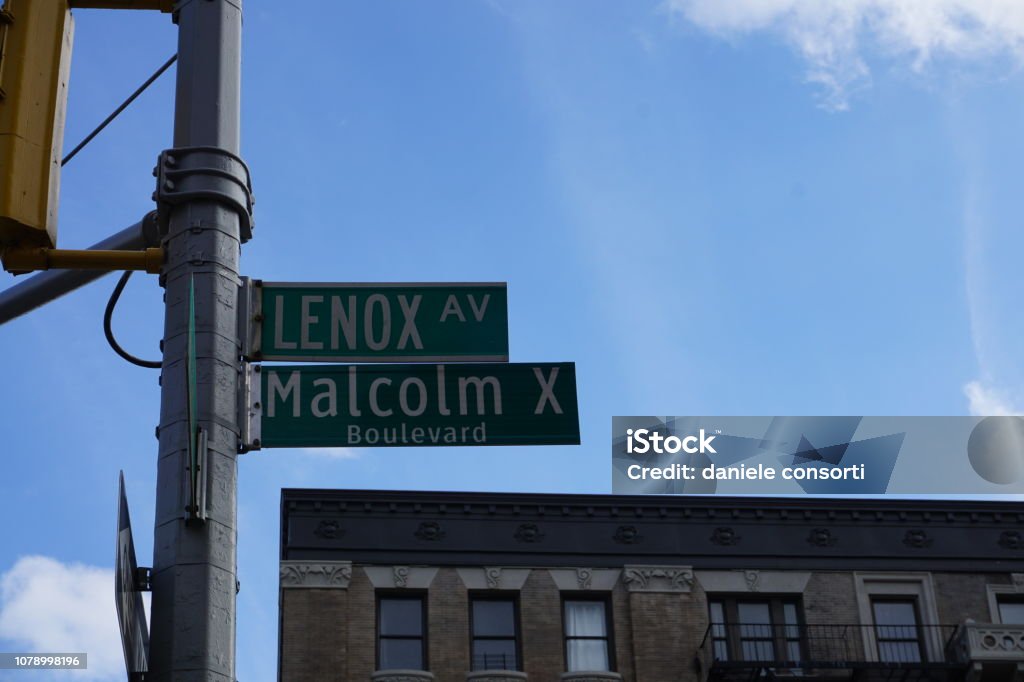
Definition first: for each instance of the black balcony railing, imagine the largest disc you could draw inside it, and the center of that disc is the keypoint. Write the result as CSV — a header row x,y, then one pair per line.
x,y
868,652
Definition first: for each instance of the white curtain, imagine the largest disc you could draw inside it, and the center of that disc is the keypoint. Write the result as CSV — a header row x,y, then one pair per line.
x,y
586,619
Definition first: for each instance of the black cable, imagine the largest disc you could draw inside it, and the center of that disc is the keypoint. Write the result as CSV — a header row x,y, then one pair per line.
x,y
108,314
124,105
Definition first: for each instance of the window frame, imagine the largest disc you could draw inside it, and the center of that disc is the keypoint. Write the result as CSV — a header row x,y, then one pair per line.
x,y
402,595
915,585
776,612
496,595
609,626
922,650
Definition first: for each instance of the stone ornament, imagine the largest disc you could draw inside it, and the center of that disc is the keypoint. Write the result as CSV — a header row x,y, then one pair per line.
x,y
658,578
917,539
329,530
528,532
627,535
400,577
822,537
1011,539
430,531
584,578
493,577
750,580
319,574
725,536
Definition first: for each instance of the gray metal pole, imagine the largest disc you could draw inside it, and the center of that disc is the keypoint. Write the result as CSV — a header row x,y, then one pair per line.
x,y
194,563
44,287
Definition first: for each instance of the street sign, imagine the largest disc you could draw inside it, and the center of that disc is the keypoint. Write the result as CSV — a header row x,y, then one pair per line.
x,y
131,615
413,405
385,322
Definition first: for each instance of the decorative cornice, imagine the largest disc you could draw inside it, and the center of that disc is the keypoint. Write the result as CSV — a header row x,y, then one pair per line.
x,y
316,574
658,578
763,509
384,528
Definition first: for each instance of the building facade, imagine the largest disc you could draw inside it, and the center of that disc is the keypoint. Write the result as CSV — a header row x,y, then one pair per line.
x,y
485,587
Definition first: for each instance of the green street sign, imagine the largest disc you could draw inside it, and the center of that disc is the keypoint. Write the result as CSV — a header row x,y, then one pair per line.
x,y
412,405
434,322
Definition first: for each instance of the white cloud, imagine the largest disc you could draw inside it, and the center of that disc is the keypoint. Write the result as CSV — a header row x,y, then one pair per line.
x,y
48,606
833,35
986,401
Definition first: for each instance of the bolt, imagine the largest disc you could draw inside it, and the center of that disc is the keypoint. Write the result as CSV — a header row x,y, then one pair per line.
x,y
170,160
258,317
255,442
256,405
169,185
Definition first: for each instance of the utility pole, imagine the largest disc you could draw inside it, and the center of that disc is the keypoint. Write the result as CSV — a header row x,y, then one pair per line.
x,y
205,207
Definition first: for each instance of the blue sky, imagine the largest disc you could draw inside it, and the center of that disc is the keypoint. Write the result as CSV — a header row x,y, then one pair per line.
x,y
712,207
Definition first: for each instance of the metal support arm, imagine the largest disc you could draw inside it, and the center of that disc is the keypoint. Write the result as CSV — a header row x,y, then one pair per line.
x,y
40,289
20,261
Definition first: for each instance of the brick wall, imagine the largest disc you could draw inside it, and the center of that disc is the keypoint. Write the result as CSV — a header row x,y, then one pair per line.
x,y
330,634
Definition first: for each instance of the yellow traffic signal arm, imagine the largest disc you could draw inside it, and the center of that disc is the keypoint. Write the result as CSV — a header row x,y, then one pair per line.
x,y
162,5
20,261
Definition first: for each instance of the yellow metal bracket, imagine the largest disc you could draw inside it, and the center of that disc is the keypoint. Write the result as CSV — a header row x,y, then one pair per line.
x,y
18,261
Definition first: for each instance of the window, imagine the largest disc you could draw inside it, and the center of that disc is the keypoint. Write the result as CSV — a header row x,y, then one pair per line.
x,y
401,643
585,623
493,623
755,630
907,629
897,631
1011,611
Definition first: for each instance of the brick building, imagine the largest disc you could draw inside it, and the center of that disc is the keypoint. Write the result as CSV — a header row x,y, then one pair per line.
x,y
482,587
